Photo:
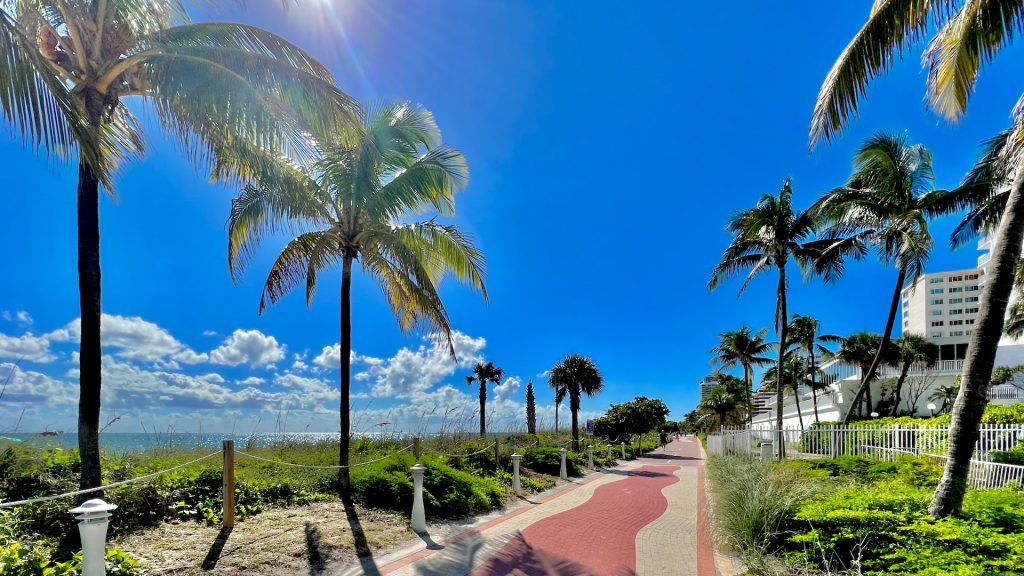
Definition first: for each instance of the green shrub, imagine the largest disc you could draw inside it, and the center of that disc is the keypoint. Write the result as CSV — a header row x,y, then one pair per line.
x,y
549,461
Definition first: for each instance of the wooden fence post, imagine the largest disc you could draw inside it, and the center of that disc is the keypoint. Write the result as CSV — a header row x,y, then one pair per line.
x,y
229,483
497,452
416,448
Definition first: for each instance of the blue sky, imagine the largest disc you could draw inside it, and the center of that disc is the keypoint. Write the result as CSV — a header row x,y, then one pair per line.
x,y
607,148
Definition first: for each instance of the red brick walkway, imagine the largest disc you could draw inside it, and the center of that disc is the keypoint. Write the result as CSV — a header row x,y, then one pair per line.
x,y
645,517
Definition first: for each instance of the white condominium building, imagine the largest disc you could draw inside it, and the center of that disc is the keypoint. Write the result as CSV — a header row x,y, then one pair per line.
x,y
707,384
943,307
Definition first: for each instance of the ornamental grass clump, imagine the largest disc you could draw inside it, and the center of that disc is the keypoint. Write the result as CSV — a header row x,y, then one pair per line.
x,y
754,503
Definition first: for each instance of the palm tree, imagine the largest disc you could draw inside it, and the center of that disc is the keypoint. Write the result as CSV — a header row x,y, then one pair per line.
x,y
350,205
887,201
744,347
794,370
804,330
531,409
966,35
482,374
769,235
719,403
860,350
578,375
946,395
234,95
912,349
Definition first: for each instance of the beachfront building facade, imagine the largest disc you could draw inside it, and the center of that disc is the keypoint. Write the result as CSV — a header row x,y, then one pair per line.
x,y
707,384
943,307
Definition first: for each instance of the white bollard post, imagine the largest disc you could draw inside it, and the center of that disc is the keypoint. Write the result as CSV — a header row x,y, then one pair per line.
x,y
590,457
419,516
93,519
561,473
516,457
623,447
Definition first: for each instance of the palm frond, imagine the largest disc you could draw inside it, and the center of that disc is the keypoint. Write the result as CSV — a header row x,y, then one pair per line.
x,y
312,250
970,38
893,27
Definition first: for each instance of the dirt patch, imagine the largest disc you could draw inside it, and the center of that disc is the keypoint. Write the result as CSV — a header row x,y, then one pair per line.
x,y
313,539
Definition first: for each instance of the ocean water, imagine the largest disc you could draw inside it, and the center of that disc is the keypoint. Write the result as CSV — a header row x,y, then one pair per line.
x,y
122,442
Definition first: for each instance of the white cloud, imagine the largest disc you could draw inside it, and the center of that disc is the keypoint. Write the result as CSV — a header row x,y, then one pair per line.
x,y
26,386
21,317
330,357
299,363
134,339
415,371
544,374
506,389
210,333
248,347
252,381
26,347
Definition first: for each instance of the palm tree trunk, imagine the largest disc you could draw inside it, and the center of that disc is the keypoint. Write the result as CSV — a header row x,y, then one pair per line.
x,y
781,320
556,417
90,352
899,387
344,428
981,355
750,394
796,396
483,407
866,378
574,407
814,389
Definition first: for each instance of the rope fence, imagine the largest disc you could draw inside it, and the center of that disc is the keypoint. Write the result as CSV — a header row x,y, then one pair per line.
x,y
106,487
322,466
480,451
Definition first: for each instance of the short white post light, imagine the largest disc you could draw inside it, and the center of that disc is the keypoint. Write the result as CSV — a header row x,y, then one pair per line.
x,y
590,457
516,457
419,516
561,473
623,446
93,519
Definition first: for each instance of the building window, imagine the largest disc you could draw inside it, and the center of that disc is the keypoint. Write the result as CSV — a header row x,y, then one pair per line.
x,y
957,311
971,310
956,278
972,276
969,322
936,280
956,322
956,300
935,291
969,332
957,289
937,323
972,298
936,301
936,312
957,333
937,334
972,288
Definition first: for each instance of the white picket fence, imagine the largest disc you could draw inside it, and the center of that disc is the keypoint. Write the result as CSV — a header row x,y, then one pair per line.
x,y
883,443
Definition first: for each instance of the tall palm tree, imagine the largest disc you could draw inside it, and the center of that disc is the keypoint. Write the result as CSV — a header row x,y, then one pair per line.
x,y
887,201
234,95
912,349
860,350
482,374
352,204
966,36
804,330
946,395
744,347
578,375
768,236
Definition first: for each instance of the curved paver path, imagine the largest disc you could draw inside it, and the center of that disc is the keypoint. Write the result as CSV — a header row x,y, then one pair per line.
x,y
646,517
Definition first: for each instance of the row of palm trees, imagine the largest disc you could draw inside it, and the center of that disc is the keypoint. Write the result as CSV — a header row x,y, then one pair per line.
x,y
806,347
574,376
